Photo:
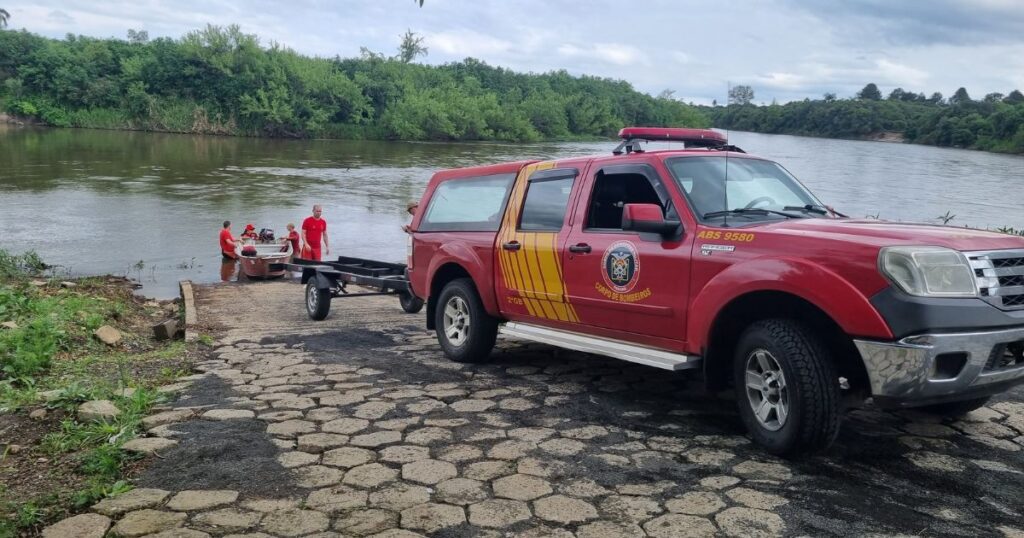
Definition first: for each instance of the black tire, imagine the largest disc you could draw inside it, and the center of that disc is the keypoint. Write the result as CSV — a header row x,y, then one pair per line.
x,y
812,388
482,328
410,303
955,409
318,301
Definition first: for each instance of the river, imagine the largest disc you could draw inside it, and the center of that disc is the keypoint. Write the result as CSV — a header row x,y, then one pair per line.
x,y
150,205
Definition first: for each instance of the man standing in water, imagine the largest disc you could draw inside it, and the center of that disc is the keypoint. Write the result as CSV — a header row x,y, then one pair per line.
x,y
228,242
313,229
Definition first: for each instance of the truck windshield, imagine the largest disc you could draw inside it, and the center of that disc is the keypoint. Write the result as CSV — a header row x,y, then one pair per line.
x,y
749,184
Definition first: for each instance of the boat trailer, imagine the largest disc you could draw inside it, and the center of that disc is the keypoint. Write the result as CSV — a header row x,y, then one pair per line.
x,y
327,280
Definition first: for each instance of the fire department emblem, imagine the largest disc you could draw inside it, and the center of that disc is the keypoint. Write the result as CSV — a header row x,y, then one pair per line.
x,y
620,266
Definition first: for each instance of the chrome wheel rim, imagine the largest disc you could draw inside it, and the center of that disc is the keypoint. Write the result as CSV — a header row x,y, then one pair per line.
x,y
312,298
766,390
456,321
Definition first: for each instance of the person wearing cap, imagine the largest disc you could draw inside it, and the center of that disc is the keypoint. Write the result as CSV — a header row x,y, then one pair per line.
x,y
314,229
228,242
411,208
250,232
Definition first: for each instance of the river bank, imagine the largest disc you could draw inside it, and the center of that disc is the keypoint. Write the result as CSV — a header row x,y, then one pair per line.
x,y
79,369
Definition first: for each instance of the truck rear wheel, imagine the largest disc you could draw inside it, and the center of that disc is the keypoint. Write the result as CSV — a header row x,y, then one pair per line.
x,y
955,409
318,301
410,303
786,388
465,330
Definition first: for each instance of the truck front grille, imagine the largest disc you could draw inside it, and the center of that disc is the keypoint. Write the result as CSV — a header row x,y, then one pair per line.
x,y
1000,277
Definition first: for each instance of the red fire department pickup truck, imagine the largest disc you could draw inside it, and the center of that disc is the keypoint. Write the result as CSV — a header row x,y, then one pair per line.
x,y
708,258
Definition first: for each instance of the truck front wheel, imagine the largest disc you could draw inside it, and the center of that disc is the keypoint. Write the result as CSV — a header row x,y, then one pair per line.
x,y
465,330
786,387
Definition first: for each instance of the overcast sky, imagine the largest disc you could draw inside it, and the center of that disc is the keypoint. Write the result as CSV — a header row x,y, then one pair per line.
x,y
785,49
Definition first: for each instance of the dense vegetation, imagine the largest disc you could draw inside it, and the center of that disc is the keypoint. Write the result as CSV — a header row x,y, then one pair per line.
x,y
53,463
221,81
995,123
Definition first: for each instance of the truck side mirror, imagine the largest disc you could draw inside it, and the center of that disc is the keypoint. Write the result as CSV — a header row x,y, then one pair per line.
x,y
647,218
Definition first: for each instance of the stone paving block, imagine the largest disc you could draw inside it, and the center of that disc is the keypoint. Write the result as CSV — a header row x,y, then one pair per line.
x,y
562,509
748,522
147,521
461,491
228,414
521,487
80,526
135,499
609,529
431,517
190,500
630,507
752,498
679,526
498,513
404,453
346,426
148,445
370,475
227,520
294,458
348,457
316,476
290,523
429,471
428,435
336,499
319,442
291,428
400,496
365,522
698,503
376,439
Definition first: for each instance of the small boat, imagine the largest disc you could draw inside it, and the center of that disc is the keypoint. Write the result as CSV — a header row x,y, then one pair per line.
x,y
267,261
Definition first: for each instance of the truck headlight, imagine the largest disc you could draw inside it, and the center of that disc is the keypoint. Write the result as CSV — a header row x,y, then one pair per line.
x,y
928,271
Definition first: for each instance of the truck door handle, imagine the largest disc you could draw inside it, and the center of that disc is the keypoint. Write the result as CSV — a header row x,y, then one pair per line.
x,y
580,248
511,245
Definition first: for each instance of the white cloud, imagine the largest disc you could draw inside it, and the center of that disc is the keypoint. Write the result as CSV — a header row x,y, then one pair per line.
x,y
613,53
467,43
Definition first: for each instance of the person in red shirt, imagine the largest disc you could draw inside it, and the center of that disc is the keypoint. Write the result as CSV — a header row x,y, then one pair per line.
x,y
314,230
228,242
250,232
293,238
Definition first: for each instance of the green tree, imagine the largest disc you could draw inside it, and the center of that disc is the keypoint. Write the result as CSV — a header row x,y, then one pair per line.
x,y
870,93
960,97
4,17
411,47
1014,98
741,95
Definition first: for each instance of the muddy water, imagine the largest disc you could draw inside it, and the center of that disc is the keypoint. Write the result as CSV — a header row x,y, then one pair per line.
x,y
150,205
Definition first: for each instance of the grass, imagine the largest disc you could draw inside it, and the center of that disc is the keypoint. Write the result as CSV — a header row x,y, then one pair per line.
x,y
48,345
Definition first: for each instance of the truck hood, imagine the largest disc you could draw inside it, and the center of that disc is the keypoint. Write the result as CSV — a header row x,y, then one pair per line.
x,y
880,233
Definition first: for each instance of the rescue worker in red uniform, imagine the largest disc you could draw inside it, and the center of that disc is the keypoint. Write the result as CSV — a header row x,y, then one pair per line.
x,y
250,232
293,238
228,242
314,230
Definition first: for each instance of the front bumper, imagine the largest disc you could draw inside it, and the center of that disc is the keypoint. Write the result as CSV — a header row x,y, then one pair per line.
x,y
926,369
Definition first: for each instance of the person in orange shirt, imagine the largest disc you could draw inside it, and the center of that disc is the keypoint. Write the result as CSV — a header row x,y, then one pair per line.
x,y
228,242
314,230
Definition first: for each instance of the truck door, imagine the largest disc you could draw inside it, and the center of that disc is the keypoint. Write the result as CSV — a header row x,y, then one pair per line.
x,y
621,280
530,285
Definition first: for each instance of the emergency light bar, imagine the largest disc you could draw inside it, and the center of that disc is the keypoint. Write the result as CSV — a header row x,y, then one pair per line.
x,y
692,138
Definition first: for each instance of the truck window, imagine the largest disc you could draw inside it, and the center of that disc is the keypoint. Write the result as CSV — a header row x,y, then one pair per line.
x,y
612,192
544,207
468,205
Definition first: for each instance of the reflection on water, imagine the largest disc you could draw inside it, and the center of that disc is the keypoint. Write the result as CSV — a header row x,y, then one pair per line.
x,y
104,201
228,269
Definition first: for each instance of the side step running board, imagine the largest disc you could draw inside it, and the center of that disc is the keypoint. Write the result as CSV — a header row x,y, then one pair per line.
x,y
601,346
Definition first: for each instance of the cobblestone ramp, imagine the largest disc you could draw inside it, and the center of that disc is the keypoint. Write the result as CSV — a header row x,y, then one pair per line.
x,y
358,426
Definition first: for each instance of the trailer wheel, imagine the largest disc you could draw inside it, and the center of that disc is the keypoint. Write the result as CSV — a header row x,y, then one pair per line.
x,y
318,301
786,388
410,303
465,330
955,409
